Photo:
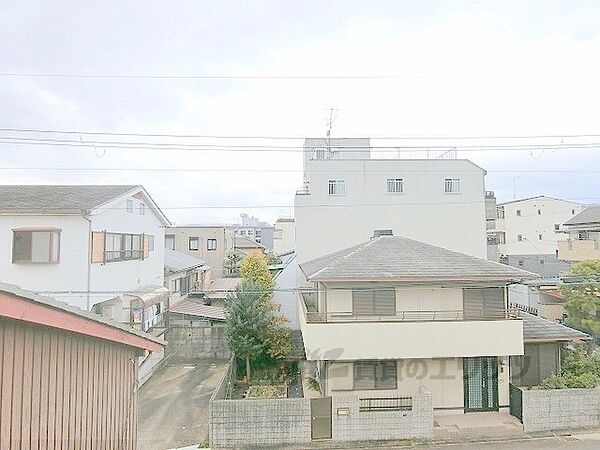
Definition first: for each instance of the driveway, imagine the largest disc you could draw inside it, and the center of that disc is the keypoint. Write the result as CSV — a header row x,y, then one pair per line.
x,y
173,404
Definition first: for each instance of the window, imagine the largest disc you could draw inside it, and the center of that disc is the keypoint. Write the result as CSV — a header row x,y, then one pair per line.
x,y
193,243
540,237
243,233
521,263
395,185
321,153
502,237
375,375
123,247
500,212
129,206
519,237
150,242
572,211
142,209
542,261
170,241
583,235
379,303
452,185
211,244
36,246
518,213
337,187
556,226
539,212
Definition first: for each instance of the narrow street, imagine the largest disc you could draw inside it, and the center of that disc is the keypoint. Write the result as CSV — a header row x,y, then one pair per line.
x,y
173,404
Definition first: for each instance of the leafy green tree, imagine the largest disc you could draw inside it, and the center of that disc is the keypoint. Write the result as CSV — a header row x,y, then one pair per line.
x,y
582,298
248,316
254,269
232,263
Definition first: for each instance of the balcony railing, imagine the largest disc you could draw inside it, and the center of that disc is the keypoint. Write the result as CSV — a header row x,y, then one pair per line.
x,y
123,255
308,301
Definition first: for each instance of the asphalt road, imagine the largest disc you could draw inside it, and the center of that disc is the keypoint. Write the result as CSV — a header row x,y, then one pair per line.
x,y
173,404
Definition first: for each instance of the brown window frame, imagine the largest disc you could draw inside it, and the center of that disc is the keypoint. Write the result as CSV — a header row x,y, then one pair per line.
x,y
58,231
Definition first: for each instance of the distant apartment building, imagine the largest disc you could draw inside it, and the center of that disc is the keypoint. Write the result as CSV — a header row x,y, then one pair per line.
x,y
284,236
582,233
528,233
257,230
212,244
86,245
347,194
490,226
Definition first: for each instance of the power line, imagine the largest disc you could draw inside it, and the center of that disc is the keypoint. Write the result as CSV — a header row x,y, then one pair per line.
x,y
273,77
219,136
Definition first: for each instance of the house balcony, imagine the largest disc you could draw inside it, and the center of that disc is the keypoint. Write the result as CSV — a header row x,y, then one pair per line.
x,y
578,250
408,334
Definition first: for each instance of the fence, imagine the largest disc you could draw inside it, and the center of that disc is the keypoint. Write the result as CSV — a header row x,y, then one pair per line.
x,y
556,409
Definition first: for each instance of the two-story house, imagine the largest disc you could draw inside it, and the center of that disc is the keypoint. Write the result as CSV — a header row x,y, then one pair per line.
x,y
390,316
583,236
348,192
86,245
528,233
210,243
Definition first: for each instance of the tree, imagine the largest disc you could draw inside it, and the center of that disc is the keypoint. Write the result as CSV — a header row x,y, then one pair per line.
x,y
248,318
254,269
582,297
232,263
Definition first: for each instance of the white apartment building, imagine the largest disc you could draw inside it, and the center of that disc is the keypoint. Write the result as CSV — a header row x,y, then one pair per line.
x,y
284,235
86,245
255,229
528,232
347,194
391,317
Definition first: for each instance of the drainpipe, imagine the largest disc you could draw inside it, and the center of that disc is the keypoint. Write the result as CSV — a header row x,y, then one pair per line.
x,y
89,261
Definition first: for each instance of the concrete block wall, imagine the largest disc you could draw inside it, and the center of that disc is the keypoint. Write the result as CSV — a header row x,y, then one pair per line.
x,y
556,409
260,422
382,425
197,342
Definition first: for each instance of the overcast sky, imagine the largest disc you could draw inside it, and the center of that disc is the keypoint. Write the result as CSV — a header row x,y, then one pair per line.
x,y
469,69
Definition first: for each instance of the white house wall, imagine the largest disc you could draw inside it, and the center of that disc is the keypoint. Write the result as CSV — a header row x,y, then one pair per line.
x,y
326,223
71,271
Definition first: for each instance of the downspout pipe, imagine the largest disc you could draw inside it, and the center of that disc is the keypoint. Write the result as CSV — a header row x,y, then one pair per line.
x,y
89,261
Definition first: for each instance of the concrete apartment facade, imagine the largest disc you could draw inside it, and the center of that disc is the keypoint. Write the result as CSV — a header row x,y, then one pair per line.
x,y
85,244
257,230
284,235
210,243
392,316
528,233
343,201
582,236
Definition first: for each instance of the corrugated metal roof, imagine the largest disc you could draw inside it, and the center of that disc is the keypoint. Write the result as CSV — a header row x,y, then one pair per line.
x,y
518,200
178,261
51,303
66,199
192,308
537,329
400,258
222,287
591,214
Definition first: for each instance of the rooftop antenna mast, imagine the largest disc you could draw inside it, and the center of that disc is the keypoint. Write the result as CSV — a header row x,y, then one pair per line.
x,y
329,127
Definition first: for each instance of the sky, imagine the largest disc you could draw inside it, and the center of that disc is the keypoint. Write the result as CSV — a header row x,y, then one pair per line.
x,y
462,69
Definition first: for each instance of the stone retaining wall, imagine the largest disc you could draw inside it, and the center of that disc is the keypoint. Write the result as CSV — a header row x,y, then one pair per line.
x,y
556,409
196,343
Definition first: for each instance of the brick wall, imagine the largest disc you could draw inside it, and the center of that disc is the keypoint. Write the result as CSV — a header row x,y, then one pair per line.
x,y
382,425
196,342
557,409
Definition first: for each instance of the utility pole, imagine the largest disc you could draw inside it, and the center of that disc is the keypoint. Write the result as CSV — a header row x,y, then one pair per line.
x,y
329,127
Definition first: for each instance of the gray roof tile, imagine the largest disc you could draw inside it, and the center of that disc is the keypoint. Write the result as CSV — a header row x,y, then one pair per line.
x,y
71,199
591,214
177,261
537,329
400,258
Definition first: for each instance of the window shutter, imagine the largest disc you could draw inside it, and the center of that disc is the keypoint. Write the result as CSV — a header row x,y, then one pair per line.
x,y
364,375
146,245
385,302
98,240
362,303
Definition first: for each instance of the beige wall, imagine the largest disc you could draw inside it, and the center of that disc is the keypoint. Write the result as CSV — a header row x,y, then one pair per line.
x,y
443,377
578,250
284,236
214,258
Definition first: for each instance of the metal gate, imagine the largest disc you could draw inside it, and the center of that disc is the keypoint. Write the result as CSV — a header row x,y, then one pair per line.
x,y
320,418
516,401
